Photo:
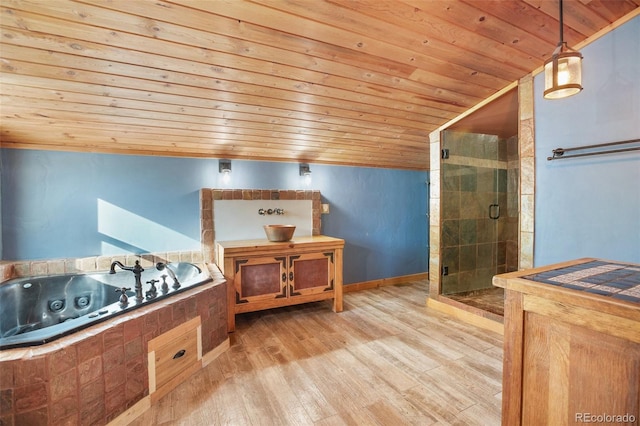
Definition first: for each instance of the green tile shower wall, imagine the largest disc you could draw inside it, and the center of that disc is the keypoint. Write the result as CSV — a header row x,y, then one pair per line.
x,y
73,205
481,169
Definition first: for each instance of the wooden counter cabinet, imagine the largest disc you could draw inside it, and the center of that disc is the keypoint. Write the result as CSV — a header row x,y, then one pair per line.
x,y
264,275
572,344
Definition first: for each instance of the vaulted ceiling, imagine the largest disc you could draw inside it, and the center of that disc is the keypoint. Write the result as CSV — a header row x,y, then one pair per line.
x,y
352,82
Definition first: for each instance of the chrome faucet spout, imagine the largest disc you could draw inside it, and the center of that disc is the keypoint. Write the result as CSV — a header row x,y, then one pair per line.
x,y
137,273
117,263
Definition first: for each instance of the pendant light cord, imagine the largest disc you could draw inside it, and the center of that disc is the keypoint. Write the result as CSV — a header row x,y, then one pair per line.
x,y
561,25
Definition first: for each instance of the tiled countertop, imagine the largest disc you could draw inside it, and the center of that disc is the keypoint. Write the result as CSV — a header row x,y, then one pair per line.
x,y
616,280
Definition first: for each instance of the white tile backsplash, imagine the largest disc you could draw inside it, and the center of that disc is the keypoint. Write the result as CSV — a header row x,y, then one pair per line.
x,y
239,219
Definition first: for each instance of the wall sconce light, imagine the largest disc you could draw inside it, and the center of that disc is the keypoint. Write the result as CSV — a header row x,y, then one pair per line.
x,y
305,172
563,71
224,167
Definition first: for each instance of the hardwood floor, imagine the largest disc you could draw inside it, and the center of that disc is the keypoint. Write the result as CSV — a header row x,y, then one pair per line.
x,y
385,360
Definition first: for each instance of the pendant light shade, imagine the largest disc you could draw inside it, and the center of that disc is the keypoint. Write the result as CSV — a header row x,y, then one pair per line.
x,y
563,75
563,71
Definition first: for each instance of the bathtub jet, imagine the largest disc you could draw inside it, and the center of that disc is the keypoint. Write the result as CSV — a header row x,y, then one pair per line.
x,y
38,310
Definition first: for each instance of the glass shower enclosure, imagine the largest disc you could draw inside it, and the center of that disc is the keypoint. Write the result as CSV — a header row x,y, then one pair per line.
x,y
479,212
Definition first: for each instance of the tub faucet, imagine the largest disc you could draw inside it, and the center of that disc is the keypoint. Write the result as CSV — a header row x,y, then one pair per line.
x,y
152,292
137,273
160,266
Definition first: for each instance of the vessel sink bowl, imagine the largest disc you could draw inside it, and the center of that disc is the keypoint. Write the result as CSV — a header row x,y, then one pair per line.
x,y
278,233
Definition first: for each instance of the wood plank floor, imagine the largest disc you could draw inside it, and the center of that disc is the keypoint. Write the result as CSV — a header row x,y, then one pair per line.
x,y
385,360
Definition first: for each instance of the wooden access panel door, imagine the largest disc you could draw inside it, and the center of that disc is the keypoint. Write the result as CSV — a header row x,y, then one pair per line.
x,y
259,279
311,273
571,374
173,356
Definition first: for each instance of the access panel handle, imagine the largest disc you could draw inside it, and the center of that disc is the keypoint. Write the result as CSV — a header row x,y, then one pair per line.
x,y
494,211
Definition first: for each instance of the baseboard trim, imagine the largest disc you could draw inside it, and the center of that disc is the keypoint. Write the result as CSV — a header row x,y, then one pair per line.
x,y
145,403
210,356
366,285
132,413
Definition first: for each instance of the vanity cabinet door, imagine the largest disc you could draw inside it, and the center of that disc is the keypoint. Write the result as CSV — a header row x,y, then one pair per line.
x,y
311,273
260,279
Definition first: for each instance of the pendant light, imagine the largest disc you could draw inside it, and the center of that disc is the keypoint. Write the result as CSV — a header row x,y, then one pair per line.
x,y
563,71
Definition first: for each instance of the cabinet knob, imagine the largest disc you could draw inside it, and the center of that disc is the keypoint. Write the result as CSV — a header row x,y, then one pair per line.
x,y
284,276
180,353
290,276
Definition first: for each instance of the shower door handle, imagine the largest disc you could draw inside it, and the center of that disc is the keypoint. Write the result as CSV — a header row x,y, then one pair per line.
x,y
494,211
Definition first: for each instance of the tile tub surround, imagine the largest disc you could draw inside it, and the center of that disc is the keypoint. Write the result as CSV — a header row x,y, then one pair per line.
x,y
30,268
93,376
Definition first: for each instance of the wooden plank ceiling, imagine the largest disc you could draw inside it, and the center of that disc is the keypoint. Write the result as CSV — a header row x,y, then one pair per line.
x,y
352,82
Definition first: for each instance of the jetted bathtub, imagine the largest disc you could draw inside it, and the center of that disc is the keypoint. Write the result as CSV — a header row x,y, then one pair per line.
x,y
37,310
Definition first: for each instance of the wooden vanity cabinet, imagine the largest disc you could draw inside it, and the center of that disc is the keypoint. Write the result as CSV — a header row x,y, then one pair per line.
x,y
263,275
572,344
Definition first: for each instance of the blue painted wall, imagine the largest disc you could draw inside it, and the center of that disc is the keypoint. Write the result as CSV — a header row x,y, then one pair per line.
x,y
59,204
590,207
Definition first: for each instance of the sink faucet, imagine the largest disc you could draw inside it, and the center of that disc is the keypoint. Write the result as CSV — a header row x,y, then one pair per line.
x,y
137,273
163,266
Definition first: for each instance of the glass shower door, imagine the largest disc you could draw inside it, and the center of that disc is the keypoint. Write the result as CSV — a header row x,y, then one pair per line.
x,y
474,198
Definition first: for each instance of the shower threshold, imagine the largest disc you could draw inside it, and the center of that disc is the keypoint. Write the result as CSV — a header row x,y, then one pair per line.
x,y
489,299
